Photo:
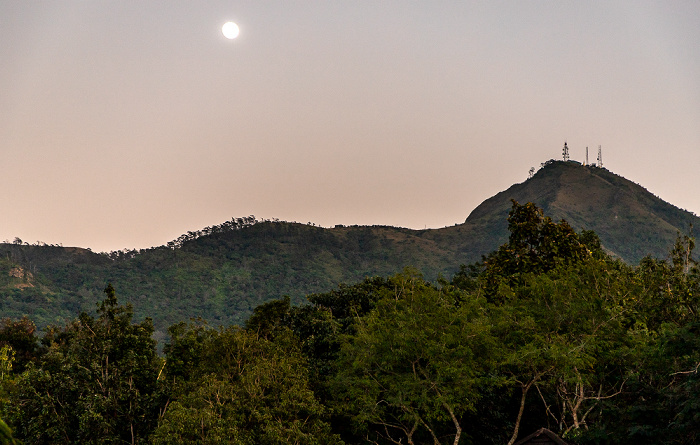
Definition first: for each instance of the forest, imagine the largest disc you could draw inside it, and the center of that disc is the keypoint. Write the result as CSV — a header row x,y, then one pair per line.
x,y
548,330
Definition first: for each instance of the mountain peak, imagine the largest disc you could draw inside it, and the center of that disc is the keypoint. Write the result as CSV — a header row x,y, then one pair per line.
x,y
630,221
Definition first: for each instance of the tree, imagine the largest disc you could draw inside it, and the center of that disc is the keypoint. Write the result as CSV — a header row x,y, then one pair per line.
x,y
566,341
415,363
269,317
536,245
661,309
320,325
7,360
97,383
20,336
6,435
239,388
555,302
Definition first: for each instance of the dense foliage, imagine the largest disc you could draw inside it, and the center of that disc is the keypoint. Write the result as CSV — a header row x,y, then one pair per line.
x,y
547,331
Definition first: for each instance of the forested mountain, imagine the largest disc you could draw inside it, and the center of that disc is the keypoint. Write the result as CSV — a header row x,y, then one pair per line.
x,y
222,272
220,275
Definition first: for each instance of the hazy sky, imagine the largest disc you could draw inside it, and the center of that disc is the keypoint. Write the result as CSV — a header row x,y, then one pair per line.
x,y
127,123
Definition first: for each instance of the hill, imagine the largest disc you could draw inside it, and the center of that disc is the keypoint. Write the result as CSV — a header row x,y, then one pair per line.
x,y
630,221
222,272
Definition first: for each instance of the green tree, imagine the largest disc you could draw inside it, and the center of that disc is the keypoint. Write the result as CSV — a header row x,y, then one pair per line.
x,y
233,386
97,383
6,435
321,324
269,317
536,245
7,360
661,309
557,315
415,364
20,335
566,345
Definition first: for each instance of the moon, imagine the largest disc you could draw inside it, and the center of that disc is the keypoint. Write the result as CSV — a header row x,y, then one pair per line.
x,y
230,30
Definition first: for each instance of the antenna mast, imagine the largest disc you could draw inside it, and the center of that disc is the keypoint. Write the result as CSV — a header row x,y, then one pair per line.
x,y
600,157
586,156
565,152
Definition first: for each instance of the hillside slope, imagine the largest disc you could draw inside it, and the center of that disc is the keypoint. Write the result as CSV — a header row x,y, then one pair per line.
x,y
220,276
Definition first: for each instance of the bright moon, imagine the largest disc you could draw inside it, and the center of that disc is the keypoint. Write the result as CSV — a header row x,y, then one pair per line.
x,y
230,30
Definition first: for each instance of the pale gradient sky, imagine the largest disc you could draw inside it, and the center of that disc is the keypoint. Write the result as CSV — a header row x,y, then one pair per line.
x,y
127,123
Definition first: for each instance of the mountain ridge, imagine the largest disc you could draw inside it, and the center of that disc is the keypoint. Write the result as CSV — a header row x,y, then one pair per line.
x,y
222,272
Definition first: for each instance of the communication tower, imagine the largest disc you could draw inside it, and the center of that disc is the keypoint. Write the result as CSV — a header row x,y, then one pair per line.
x,y
565,152
586,156
600,157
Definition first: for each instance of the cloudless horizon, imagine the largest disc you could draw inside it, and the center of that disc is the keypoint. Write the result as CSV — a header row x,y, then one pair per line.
x,y
127,124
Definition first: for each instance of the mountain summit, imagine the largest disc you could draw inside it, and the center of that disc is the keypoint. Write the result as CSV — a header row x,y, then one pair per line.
x,y
630,221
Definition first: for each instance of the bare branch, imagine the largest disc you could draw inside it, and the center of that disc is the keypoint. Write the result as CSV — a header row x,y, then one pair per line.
x,y
693,371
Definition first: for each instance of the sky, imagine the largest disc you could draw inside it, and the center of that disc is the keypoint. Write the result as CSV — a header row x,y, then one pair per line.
x,y
124,124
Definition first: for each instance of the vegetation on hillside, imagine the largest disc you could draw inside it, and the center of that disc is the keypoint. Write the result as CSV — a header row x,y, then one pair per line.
x,y
221,273
547,331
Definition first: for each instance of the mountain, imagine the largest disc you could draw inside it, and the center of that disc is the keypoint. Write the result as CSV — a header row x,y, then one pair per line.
x,y
222,272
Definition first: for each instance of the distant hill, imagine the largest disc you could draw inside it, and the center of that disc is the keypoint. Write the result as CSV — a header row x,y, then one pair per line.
x,y
630,221
220,275
222,272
